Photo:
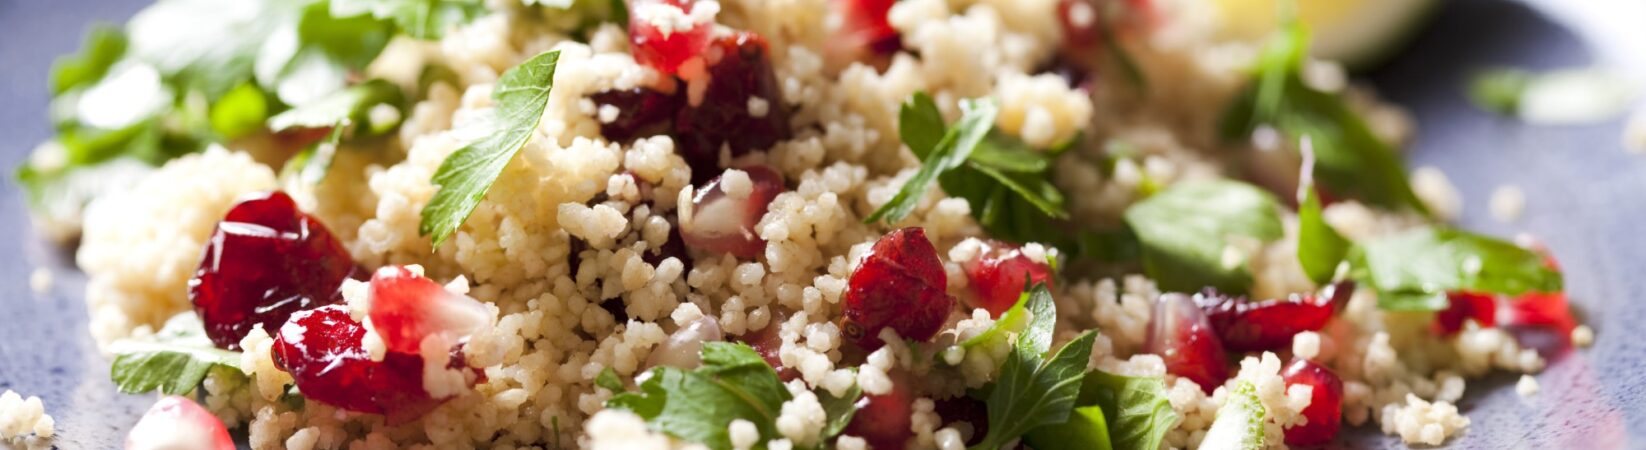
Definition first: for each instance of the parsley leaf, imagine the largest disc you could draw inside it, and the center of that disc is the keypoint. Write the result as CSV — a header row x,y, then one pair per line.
x,y
313,54
1086,429
1319,247
1137,408
102,47
464,177
1416,269
173,361
1033,390
348,105
422,19
946,154
1352,160
1186,233
840,409
699,405
608,379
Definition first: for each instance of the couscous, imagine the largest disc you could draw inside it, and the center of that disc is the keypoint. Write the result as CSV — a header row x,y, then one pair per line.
x,y
780,224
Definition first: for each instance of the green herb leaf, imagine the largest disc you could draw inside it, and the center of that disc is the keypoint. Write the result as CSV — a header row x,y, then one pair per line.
x,y
1353,161
1085,429
949,153
240,112
348,105
207,45
920,125
1031,394
173,361
608,379
464,177
316,54
1499,90
313,163
1416,269
840,409
699,405
1319,247
1137,408
101,48
1186,230
422,19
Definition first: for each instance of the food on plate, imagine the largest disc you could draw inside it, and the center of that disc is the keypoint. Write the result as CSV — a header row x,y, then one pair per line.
x,y
759,224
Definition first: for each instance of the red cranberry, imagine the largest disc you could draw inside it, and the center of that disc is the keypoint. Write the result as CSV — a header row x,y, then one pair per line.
x,y
1246,326
177,423
640,113
321,349
407,307
663,35
865,32
1463,306
1325,410
1185,340
718,223
900,284
883,420
723,118
999,274
265,261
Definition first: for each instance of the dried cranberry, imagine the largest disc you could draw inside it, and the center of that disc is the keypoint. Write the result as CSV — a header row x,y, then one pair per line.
x,y
999,274
265,261
640,113
719,223
1480,307
743,75
663,35
883,420
1325,410
1245,325
406,308
1185,340
321,348
900,284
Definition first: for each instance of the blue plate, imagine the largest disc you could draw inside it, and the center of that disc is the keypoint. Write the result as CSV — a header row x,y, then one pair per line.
x,y
1583,196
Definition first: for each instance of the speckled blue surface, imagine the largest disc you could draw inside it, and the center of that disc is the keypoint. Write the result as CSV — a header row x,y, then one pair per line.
x,y
1585,197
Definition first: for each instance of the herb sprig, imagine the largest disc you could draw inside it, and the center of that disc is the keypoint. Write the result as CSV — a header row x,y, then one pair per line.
x,y
1415,270
1188,233
173,361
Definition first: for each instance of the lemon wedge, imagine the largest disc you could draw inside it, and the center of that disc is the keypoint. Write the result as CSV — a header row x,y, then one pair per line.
x,y
1357,33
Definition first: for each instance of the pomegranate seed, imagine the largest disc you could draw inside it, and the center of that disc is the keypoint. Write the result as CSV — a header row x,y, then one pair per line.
x,y
742,74
1245,326
265,261
769,345
1463,306
407,307
865,32
177,423
641,113
719,223
999,273
682,347
1180,333
883,420
900,284
663,35
1325,410
1537,309
321,349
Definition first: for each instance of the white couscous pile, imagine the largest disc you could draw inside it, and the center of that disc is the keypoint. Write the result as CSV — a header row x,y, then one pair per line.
x,y
782,224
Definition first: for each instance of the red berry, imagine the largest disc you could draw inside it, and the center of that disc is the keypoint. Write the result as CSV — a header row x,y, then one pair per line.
x,y
1185,340
640,113
718,223
177,423
865,32
999,274
321,348
663,35
1547,310
1480,307
742,73
407,307
265,261
1245,326
900,284
883,420
1325,410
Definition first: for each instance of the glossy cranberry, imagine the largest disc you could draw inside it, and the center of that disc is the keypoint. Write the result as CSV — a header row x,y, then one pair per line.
x,y
322,350
721,223
1325,410
900,284
883,420
723,118
1244,325
406,308
865,33
177,423
663,35
265,261
1185,340
999,274
1463,306
640,113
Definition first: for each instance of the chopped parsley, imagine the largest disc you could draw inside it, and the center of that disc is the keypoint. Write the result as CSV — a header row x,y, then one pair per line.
x,y
1320,249
422,19
1415,270
1189,233
1034,388
173,361
464,177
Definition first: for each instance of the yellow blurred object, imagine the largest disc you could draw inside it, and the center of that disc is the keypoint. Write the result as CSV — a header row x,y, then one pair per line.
x,y
1355,32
